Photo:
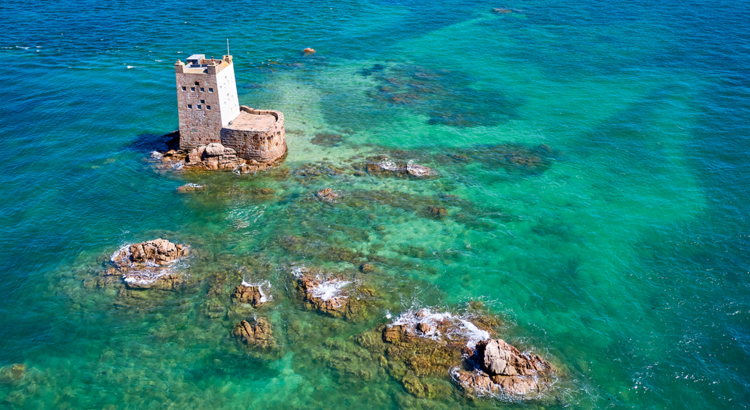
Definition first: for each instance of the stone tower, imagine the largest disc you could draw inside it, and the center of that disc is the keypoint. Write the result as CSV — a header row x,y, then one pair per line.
x,y
210,112
206,99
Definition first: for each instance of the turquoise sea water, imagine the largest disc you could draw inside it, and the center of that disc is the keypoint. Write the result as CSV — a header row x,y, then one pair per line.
x,y
623,258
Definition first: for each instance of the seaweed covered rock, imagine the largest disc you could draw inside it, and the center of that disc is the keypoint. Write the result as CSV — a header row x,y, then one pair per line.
x,y
258,334
332,295
251,294
149,264
500,367
12,373
420,348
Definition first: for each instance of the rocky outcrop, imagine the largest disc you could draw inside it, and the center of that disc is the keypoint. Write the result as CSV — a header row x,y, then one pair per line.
x,y
215,156
501,368
332,295
149,264
258,334
309,50
250,294
422,345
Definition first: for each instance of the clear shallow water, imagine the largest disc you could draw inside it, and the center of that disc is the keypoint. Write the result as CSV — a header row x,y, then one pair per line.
x,y
624,259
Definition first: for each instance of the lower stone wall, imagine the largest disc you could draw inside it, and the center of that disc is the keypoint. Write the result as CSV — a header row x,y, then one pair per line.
x,y
263,146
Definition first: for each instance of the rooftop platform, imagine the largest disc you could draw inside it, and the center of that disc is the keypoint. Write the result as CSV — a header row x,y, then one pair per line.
x,y
251,121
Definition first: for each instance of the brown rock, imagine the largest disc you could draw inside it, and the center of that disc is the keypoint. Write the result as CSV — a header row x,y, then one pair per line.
x,y
437,211
508,370
309,50
328,195
500,358
366,268
419,171
252,295
146,265
258,334
424,328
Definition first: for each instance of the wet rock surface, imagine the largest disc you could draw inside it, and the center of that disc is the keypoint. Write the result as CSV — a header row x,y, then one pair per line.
x,y
383,166
500,368
148,264
250,294
334,295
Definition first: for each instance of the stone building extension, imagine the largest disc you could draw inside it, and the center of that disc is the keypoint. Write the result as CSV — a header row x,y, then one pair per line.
x,y
256,135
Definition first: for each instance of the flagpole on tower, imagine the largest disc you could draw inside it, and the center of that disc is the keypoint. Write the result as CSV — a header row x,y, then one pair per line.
x,y
227,46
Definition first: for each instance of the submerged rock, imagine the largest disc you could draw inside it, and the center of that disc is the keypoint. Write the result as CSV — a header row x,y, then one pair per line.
x,y
309,50
188,188
149,264
12,373
384,166
503,369
259,334
437,211
328,195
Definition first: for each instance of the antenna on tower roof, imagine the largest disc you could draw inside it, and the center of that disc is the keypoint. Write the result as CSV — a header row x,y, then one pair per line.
x,y
227,46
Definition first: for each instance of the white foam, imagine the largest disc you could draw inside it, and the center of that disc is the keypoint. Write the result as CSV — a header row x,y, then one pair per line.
x,y
460,327
388,165
156,155
330,289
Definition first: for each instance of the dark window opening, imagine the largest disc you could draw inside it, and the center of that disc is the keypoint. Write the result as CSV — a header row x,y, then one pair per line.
x,y
196,83
210,90
202,101
199,106
184,88
192,88
190,106
208,107
201,89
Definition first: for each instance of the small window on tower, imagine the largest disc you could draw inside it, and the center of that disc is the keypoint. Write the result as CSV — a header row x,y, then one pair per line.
x,y
210,90
201,89
208,107
190,106
192,88
203,101
199,106
197,83
184,88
